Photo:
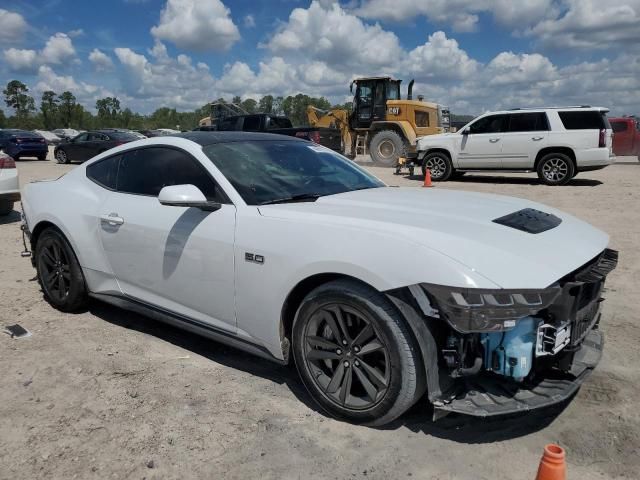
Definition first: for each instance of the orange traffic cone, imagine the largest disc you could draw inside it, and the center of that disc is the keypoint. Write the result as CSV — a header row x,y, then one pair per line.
x,y
427,178
552,465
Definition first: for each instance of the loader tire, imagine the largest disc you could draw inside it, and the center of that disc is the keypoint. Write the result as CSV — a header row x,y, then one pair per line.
x,y
386,147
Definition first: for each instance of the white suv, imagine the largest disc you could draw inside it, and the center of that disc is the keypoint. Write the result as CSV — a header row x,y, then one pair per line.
x,y
557,143
9,186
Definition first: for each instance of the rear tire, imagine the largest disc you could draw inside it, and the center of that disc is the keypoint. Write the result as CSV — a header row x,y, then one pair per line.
x,y
440,166
6,207
61,156
386,147
41,157
556,169
59,273
355,353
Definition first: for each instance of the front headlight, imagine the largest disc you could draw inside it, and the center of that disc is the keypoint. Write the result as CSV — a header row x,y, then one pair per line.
x,y
470,310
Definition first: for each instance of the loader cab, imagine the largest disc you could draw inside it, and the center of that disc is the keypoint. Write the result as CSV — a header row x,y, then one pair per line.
x,y
370,100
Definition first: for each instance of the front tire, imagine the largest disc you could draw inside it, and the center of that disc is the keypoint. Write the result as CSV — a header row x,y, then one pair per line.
x,y
355,353
42,157
59,272
386,147
440,166
61,156
556,169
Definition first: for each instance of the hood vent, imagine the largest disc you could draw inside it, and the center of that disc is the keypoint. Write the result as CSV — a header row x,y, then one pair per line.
x,y
529,220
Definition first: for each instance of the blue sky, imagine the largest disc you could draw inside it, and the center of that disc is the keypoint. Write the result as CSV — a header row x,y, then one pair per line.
x,y
472,55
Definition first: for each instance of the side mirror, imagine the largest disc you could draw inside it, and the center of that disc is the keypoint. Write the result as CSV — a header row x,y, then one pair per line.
x,y
186,196
464,131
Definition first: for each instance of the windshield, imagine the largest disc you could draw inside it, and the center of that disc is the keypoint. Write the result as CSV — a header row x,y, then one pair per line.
x,y
124,136
276,171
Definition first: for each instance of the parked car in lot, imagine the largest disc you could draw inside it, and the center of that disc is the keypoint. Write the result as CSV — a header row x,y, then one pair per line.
x,y
50,137
22,143
557,143
9,186
280,247
89,144
626,136
66,133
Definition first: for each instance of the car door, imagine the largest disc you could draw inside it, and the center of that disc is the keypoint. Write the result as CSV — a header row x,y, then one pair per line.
x,y
525,135
480,145
75,147
177,259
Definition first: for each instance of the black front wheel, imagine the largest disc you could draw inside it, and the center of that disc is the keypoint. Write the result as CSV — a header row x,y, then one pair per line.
x,y
355,353
61,156
59,272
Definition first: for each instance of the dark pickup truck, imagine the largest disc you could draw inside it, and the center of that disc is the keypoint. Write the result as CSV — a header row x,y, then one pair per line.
x,y
264,122
626,136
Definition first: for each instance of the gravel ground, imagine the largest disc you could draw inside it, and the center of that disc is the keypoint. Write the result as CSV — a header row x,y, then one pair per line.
x,y
110,394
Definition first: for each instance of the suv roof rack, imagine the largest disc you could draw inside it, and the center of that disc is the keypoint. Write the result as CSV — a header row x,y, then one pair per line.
x,y
550,108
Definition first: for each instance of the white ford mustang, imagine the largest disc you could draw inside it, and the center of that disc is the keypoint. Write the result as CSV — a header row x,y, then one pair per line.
x,y
482,303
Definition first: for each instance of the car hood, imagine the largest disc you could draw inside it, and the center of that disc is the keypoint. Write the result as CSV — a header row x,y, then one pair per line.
x,y
459,225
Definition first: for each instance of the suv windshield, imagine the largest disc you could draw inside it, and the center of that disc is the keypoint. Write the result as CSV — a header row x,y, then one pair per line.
x,y
280,171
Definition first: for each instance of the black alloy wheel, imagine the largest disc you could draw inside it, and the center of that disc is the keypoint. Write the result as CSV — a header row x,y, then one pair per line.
x,y
356,354
349,361
59,272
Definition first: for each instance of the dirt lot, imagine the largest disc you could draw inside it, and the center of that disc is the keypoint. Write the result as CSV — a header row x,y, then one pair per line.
x,y
110,394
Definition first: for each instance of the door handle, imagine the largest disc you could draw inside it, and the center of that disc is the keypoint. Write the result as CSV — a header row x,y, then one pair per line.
x,y
535,139
112,219
494,140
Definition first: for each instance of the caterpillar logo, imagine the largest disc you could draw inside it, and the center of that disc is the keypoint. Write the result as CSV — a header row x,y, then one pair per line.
x,y
393,110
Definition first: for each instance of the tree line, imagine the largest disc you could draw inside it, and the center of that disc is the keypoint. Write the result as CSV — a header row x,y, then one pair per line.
x,y
62,110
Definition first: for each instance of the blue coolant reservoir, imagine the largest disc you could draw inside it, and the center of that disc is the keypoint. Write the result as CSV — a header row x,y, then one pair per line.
x,y
511,353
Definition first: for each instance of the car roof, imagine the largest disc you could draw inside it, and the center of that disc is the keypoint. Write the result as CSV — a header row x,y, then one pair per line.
x,y
209,138
584,108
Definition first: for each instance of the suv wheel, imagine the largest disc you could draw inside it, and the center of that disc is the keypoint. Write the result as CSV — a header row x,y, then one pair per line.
x,y
59,272
440,166
555,169
355,354
61,156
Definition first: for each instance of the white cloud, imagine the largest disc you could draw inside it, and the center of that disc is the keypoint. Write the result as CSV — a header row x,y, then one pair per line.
x,y
12,27
336,37
591,24
20,60
440,58
78,32
85,93
58,49
100,60
462,15
249,21
163,80
197,25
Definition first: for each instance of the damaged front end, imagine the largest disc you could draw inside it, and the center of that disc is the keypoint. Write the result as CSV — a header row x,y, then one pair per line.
x,y
505,351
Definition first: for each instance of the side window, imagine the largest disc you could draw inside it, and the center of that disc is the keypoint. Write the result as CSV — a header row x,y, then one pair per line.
x,y
228,124
619,127
105,172
82,137
584,120
146,171
488,124
251,123
528,122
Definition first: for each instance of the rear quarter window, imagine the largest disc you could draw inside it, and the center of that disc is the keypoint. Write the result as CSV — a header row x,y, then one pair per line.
x,y
587,120
105,172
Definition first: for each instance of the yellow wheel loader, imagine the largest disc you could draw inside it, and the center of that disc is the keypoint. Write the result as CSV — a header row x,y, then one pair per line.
x,y
380,123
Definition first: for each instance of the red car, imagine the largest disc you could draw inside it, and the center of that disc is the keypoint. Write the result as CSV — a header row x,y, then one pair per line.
x,y
626,136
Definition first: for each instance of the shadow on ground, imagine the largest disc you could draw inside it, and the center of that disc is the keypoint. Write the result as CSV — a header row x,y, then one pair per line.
x,y
500,180
457,428
12,217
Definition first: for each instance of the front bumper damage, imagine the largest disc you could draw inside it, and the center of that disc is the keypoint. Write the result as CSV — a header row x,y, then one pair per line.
x,y
489,395
467,374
